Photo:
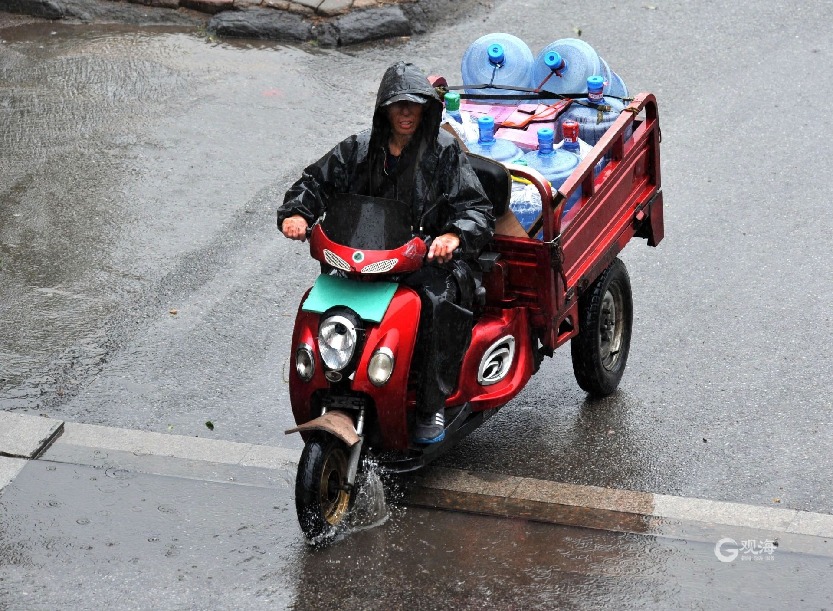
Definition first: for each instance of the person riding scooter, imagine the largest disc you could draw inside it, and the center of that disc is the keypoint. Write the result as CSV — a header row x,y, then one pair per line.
x,y
405,156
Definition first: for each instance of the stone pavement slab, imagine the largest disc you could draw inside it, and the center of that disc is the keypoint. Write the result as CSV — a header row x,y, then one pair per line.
x,y
24,436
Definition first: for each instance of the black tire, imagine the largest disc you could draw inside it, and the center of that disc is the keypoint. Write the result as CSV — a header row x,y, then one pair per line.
x,y
600,350
321,500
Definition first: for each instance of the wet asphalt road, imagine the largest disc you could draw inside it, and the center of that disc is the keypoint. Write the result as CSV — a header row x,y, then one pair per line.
x,y
143,284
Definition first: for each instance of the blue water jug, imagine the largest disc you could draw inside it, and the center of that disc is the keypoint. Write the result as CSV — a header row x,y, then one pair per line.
x,y
487,145
554,164
579,59
614,85
497,59
592,122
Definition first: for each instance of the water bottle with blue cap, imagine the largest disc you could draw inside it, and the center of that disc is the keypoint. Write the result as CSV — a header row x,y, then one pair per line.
x,y
593,122
580,60
487,145
554,164
497,59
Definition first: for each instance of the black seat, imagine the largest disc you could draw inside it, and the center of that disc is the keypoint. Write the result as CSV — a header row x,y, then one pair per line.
x,y
496,181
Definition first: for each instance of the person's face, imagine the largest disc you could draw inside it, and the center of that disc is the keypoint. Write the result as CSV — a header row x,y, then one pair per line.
x,y
404,117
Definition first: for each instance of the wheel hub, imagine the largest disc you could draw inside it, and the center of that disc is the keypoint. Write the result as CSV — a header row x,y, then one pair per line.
x,y
610,329
334,497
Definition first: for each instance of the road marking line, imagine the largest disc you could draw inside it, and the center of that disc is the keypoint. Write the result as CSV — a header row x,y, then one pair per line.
x,y
176,446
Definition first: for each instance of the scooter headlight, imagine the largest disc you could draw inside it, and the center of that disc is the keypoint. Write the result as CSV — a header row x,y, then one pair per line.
x,y
304,362
380,368
337,342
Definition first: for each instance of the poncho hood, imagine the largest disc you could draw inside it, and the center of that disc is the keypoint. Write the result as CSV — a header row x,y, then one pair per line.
x,y
405,79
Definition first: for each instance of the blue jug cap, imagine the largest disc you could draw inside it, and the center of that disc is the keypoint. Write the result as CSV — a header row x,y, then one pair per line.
x,y
595,83
546,137
546,134
554,61
496,54
486,125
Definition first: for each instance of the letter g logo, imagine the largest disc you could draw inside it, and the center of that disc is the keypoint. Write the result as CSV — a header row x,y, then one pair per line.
x,y
731,551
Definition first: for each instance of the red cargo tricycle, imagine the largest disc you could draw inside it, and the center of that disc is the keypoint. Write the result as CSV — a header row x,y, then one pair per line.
x,y
351,388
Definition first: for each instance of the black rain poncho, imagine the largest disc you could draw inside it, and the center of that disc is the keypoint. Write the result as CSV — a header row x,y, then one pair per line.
x,y
433,177
433,174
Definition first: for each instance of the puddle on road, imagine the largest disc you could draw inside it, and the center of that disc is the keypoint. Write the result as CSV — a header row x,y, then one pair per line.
x,y
448,560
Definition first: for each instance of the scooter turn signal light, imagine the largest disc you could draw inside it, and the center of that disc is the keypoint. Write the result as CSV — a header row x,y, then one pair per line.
x,y
380,368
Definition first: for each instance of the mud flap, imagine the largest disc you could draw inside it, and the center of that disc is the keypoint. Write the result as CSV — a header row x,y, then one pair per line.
x,y
336,422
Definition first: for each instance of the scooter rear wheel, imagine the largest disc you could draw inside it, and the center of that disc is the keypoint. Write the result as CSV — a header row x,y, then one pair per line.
x,y
321,498
600,350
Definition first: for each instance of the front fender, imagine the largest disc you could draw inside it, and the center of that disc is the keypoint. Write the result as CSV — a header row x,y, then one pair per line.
x,y
335,422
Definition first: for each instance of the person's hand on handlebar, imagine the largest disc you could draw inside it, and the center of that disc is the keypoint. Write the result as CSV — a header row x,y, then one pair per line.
x,y
295,227
443,246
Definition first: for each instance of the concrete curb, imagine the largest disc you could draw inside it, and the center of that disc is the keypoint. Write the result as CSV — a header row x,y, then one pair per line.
x,y
439,488
603,508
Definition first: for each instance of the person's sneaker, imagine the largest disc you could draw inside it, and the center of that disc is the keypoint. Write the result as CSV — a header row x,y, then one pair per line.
x,y
430,428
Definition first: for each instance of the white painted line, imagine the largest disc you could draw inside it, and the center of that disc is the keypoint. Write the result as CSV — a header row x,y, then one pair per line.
x,y
729,514
176,446
9,468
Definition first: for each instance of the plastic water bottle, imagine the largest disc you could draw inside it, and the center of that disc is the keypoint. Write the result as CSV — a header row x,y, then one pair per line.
x,y
452,106
497,59
580,62
554,164
614,85
576,145
453,116
592,122
525,203
494,148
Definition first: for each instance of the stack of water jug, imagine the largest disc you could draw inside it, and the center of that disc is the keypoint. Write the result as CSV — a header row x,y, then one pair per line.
x,y
566,66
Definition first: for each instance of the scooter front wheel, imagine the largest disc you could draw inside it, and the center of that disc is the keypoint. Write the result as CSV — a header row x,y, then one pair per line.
x,y
321,495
